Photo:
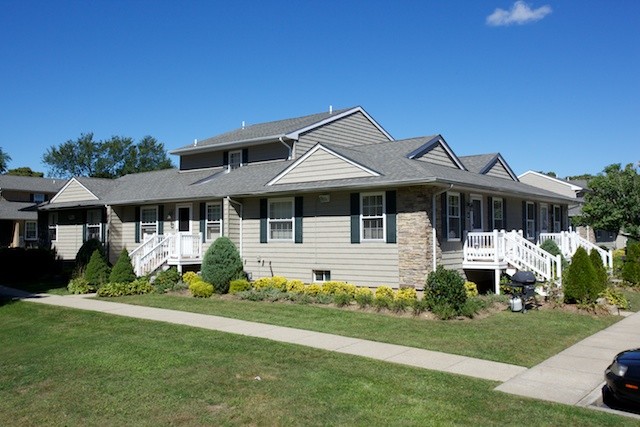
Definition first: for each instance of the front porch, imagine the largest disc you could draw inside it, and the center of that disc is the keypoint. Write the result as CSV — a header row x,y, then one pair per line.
x,y
179,249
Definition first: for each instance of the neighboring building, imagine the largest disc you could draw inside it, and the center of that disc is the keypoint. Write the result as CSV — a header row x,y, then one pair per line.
x,y
330,196
577,190
19,197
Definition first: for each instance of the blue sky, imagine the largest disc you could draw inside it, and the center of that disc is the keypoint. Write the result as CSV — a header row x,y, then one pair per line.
x,y
552,85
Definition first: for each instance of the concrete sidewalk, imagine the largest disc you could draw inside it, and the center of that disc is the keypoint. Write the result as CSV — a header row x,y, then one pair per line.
x,y
416,357
575,375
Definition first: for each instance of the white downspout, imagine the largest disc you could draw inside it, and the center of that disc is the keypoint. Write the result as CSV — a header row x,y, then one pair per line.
x,y
230,200
288,147
433,225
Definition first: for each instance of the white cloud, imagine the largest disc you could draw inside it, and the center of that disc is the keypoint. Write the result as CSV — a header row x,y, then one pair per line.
x,y
520,13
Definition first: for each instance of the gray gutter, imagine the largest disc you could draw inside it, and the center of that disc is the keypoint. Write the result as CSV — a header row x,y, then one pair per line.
x,y
238,143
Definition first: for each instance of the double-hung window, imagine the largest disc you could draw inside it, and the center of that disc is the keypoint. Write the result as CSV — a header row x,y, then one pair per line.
x,y
53,226
38,197
530,220
148,222
94,226
498,214
453,216
30,230
280,219
235,159
372,216
214,221
557,221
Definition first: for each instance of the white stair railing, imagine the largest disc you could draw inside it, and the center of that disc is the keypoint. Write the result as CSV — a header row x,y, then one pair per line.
x,y
570,241
154,258
525,255
483,246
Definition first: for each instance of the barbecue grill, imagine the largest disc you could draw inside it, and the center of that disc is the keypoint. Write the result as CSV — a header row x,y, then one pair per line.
x,y
523,284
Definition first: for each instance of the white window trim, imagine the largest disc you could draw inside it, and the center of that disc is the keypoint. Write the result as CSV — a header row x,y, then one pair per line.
x,y
30,239
208,222
239,152
142,224
314,279
493,212
98,224
384,217
177,220
478,197
53,224
292,219
460,219
531,221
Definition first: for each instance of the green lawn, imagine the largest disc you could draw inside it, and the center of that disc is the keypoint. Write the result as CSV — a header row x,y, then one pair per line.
x,y
69,367
516,338
633,296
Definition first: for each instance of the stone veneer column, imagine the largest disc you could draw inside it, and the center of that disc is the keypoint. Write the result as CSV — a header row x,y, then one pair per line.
x,y
414,235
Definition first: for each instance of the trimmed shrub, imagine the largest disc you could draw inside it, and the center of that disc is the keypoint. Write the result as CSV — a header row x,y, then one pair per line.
x,y
445,288
471,289
190,276
201,289
601,272
403,299
97,272
444,311
122,272
550,246
137,287
631,266
381,301
364,297
222,264
239,285
86,251
79,285
166,280
295,286
580,281
262,283
313,289
618,261
419,306
342,299
385,291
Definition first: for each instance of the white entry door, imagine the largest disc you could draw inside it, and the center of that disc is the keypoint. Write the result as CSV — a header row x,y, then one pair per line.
x,y
183,219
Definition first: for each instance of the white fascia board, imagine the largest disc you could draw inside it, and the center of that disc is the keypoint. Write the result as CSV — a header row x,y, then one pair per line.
x,y
438,139
550,178
313,150
69,183
296,134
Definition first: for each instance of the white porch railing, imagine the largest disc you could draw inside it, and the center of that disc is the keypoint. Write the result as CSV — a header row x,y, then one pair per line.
x,y
570,241
510,247
158,250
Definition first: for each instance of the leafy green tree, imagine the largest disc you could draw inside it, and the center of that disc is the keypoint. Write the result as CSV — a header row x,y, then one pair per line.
x,y
4,159
614,201
97,271
25,171
122,272
221,264
110,158
580,281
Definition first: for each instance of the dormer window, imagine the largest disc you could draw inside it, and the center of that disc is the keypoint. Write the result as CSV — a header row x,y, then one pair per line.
x,y
38,197
235,159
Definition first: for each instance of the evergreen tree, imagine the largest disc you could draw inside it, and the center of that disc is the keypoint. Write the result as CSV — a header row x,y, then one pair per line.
x,y
631,266
122,272
97,271
601,272
221,264
580,279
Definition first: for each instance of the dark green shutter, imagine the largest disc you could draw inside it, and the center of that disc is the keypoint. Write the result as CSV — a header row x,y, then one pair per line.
x,y
490,213
84,232
263,220
137,221
203,221
536,217
504,213
524,218
391,216
225,158
298,219
103,232
355,217
463,216
160,220
245,156
443,214
562,220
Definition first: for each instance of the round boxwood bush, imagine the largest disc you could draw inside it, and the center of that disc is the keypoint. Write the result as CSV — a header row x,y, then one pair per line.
x,y
86,250
222,264
122,272
200,289
580,280
445,288
97,272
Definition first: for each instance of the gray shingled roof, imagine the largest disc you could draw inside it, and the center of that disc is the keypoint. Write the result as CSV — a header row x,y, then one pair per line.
x,y
478,162
18,210
31,184
98,186
264,131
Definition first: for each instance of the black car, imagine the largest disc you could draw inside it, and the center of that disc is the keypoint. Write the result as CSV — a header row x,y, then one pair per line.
x,y
623,380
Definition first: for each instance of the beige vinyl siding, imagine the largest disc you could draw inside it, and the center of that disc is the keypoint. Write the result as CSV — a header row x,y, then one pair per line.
x,y
69,240
548,184
348,131
327,246
322,165
438,156
498,170
74,192
208,159
232,222
122,230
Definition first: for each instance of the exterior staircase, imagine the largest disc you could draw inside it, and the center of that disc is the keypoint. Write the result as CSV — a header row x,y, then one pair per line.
x,y
171,249
570,241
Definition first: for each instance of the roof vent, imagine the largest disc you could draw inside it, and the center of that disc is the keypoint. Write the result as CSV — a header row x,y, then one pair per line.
x,y
330,109
195,142
243,124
